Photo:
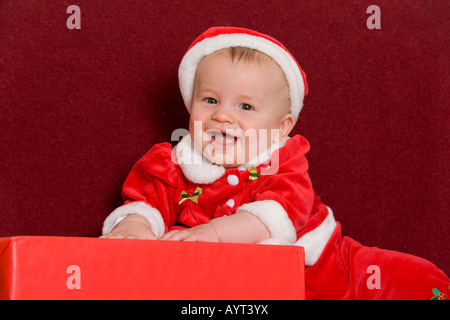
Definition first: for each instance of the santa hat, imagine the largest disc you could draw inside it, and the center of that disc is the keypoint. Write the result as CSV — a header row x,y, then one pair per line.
x,y
218,38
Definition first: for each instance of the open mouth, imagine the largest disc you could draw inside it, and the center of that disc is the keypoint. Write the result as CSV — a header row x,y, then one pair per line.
x,y
221,139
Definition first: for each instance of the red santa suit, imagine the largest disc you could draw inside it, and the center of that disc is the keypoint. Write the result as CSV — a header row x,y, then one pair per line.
x,y
178,188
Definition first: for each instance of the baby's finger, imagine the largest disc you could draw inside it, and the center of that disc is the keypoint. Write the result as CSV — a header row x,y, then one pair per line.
x,y
112,236
131,236
192,237
169,234
179,235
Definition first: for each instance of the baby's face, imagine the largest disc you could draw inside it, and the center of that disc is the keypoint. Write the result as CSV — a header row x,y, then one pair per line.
x,y
238,108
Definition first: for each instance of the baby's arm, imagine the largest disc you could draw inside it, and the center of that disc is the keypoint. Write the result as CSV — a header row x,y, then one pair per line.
x,y
133,226
241,227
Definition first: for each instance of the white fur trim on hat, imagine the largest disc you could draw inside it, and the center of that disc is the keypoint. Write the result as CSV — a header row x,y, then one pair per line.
x,y
239,37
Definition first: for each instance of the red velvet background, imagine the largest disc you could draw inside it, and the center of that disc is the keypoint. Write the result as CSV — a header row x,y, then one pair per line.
x,y
80,107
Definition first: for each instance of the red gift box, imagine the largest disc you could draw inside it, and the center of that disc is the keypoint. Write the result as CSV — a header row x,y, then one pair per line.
x,y
92,268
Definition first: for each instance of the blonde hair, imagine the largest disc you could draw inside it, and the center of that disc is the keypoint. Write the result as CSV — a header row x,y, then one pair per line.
x,y
251,55
246,54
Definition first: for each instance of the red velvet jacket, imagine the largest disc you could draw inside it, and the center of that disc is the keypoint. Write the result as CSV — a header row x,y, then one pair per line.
x,y
176,188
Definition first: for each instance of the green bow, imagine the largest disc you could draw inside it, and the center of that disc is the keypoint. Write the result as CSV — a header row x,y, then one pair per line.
x,y
194,197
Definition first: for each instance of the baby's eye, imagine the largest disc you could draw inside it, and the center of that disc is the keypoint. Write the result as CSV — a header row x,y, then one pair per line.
x,y
245,106
211,100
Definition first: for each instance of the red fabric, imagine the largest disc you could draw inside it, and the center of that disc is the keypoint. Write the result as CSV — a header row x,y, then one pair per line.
x,y
347,270
79,107
344,267
156,180
216,31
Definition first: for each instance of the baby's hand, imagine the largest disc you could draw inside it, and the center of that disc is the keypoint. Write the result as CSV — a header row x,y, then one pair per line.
x,y
203,232
132,227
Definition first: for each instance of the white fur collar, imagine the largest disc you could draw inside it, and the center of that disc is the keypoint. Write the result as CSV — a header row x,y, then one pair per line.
x,y
199,169
195,167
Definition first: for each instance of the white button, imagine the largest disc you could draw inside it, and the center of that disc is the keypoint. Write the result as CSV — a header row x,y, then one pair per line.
x,y
233,179
230,203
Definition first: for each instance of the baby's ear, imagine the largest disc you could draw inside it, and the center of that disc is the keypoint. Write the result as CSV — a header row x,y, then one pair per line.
x,y
286,125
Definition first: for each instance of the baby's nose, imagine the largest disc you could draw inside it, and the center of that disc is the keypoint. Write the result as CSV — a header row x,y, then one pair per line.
x,y
222,114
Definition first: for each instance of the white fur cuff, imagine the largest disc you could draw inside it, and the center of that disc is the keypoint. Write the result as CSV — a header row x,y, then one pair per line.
x,y
275,241
274,217
315,241
141,208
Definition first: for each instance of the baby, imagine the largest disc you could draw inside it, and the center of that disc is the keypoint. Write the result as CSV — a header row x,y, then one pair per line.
x,y
238,177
